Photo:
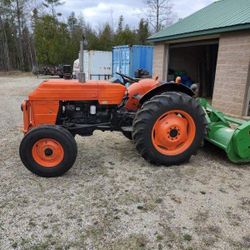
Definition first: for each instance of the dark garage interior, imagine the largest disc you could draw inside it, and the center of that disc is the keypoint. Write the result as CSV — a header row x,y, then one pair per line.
x,y
196,63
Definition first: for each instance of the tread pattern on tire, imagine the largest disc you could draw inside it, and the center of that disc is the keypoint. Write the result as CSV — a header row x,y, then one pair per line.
x,y
127,134
151,111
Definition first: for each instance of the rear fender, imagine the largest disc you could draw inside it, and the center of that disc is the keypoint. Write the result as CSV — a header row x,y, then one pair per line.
x,y
166,87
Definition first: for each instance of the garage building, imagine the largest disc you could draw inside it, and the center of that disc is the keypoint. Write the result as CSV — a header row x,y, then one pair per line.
x,y
212,47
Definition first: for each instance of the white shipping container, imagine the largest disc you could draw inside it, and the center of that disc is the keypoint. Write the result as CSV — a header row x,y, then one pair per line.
x,y
97,65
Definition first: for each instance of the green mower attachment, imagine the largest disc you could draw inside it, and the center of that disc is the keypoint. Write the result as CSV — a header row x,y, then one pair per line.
x,y
228,133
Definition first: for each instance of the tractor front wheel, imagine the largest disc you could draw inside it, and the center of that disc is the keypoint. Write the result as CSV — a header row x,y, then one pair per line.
x,y
48,151
169,128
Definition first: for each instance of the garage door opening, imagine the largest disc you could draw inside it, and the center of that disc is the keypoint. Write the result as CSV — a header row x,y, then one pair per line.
x,y
195,63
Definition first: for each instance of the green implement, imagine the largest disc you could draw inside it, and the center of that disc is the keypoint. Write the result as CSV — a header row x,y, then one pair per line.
x,y
228,133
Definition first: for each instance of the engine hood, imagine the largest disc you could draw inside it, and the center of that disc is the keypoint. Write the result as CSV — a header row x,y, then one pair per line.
x,y
104,92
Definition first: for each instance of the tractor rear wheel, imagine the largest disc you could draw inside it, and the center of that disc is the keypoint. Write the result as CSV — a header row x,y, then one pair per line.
x,y
127,134
48,151
169,128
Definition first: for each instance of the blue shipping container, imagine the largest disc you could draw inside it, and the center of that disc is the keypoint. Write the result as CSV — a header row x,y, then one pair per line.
x,y
127,59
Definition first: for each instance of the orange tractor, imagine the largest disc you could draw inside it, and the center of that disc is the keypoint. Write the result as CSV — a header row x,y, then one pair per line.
x,y
165,122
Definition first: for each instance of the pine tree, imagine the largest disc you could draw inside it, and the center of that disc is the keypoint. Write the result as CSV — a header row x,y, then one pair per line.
x,y
143,32
72,22
52,4
120,24
106,37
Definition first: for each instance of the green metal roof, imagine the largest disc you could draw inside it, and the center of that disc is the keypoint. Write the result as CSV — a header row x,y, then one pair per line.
x,y
220,16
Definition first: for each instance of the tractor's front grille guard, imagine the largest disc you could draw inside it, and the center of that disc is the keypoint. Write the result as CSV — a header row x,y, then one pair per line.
x,y
26,108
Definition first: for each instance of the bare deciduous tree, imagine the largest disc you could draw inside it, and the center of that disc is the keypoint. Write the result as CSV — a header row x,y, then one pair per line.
x,y
52,4
160,13
16,50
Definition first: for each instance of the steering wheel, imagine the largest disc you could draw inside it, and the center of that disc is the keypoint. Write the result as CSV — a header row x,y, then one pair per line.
x,y
126,78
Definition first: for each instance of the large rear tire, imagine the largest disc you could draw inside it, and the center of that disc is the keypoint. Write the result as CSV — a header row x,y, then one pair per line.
x,y
48,151
169,128
127,134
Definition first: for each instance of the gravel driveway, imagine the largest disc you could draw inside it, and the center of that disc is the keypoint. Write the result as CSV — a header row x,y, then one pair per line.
x,y
113,199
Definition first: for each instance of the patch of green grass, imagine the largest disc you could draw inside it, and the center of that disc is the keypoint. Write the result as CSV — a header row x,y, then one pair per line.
x,y
159,237
158,200
132,178
50,236
24,242
187,237
32,223
134,241
128,198
41,246
14,245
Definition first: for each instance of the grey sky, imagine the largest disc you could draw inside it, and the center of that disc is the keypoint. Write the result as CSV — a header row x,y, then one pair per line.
x,y
97,12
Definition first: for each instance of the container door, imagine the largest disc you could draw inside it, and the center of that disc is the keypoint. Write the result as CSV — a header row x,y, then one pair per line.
x,y
141,58
100,65
121,60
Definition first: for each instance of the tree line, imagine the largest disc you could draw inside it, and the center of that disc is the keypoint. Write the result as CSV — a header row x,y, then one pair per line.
x,y
58,42
33,34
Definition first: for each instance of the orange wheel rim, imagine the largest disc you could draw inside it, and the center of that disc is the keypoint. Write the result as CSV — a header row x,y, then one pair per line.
x,y
47,152
173,132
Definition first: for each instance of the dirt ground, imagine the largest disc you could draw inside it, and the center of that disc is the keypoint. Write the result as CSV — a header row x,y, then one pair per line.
x,y
113,199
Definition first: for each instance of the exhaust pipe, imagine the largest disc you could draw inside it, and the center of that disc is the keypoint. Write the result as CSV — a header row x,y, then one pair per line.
x,y
81,74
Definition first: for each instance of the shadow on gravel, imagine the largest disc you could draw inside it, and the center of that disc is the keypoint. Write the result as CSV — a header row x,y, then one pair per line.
x,y
220,155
